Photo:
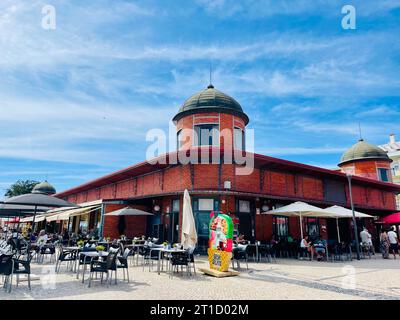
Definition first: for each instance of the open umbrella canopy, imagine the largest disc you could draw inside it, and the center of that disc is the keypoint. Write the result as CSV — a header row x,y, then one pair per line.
x,y
129,212
16,210
341,212
391,219
189,233
297,209
38,199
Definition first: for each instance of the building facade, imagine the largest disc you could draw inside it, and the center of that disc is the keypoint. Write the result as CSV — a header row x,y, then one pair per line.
x,y
214,122
393,151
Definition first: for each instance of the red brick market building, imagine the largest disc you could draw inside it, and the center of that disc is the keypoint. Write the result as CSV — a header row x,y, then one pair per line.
x,y
211,120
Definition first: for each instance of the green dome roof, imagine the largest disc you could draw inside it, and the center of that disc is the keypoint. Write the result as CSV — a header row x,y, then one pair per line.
x,y
211,100
363,150
44,187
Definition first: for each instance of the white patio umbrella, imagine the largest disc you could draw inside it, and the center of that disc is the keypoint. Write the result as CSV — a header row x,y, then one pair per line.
x,y
341,212
299,209
189,233
127,211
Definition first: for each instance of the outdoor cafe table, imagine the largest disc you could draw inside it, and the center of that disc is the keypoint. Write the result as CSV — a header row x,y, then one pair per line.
x,y
72,248
91,255
162,251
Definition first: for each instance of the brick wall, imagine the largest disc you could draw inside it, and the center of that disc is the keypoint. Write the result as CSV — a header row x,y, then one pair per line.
x,y
275,183
135,225
226,124
366,168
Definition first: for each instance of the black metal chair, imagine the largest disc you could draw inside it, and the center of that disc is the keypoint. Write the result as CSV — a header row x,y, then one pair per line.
x,y
252,251
68,256
149,256
22,266
344,250
179,259
192,264
6,270
267,251
107,267
303,252
123,262
239,253
49,249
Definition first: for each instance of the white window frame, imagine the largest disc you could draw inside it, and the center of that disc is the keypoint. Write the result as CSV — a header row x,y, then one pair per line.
x,y
196,139
248,206
206,204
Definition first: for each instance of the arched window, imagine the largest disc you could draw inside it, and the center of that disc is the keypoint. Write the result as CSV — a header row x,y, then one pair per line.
x,y
238,139
206,135
179,141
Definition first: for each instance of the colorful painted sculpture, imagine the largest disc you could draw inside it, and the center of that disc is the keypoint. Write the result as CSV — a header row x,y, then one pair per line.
x,y
220,241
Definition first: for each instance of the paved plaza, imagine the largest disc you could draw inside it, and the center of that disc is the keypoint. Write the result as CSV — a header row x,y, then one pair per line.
x,y
284,279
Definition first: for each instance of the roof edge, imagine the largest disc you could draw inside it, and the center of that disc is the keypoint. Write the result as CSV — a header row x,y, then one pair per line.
x,y
207,109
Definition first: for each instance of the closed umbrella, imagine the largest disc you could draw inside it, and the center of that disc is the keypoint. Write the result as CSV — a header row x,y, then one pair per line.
x,y
299,209
189,233
121,225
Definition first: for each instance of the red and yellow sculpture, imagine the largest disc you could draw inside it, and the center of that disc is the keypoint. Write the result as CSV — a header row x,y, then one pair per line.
x,y
220,241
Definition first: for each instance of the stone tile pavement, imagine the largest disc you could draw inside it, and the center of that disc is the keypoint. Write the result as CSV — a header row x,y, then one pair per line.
x,y
284,279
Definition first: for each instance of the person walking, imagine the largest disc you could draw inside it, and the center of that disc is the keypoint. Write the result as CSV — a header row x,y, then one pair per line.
x,y
384,240
393,241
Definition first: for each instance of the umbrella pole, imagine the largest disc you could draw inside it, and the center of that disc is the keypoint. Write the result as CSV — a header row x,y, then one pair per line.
x,y
33,221
19,219
301,226
337,229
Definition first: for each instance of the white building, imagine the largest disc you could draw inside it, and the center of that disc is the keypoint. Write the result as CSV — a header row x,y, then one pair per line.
x,y
393,150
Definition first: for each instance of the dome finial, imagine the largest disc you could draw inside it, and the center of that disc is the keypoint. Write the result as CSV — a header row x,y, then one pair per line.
x,y
210,86
359,130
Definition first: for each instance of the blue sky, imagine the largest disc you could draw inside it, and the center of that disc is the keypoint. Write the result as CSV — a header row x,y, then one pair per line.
x,y
76,102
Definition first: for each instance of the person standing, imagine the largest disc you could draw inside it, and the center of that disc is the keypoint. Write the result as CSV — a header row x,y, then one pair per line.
x,y
384,240
393,241
366,241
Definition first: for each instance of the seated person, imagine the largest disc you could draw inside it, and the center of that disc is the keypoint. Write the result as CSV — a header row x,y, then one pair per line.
x,y
320,248
240,239
305,246
42,238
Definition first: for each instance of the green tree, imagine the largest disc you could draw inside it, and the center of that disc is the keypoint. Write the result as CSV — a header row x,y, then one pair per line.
x,y
20,187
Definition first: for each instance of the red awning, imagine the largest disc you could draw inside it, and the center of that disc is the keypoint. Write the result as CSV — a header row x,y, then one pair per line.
x,y
391,219
15,220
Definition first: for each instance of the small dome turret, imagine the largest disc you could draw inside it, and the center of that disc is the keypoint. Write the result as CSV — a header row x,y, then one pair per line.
x,y
44,188
362,151
211,100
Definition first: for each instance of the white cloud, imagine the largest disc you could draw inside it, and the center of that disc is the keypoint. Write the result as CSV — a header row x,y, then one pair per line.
x,y
302,150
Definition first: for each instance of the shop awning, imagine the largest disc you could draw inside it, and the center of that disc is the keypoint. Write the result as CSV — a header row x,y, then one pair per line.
x,y
11,221
66,214
390,219
39,217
